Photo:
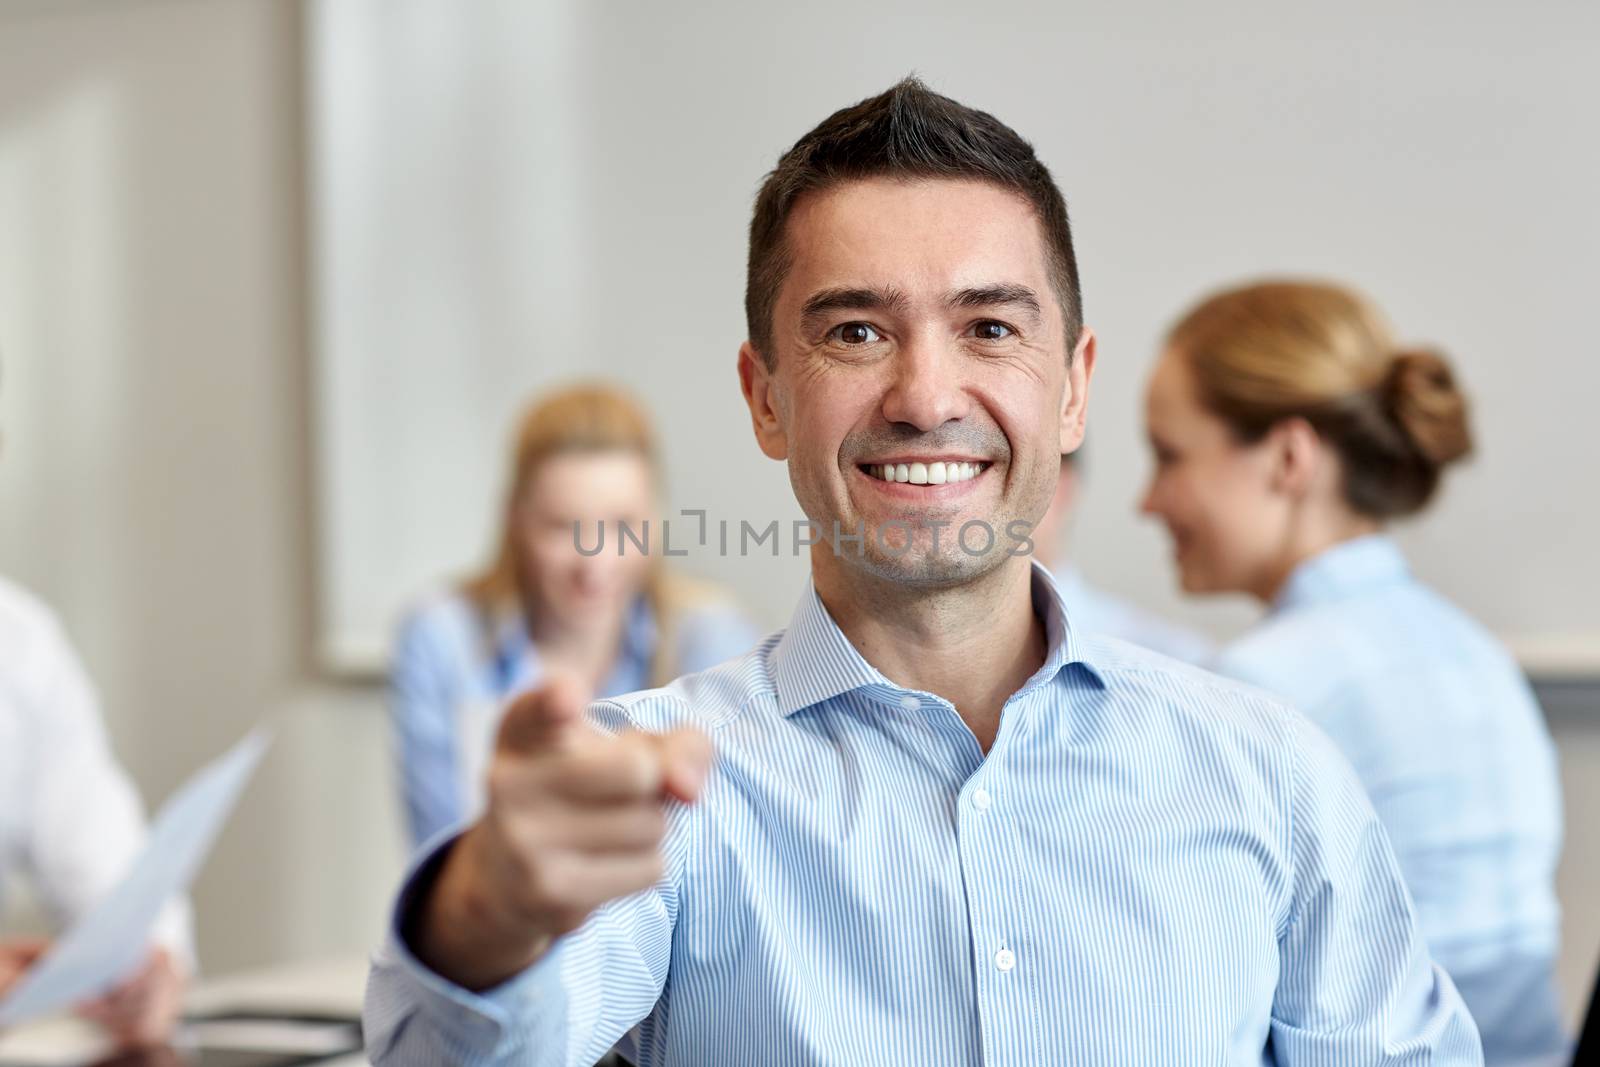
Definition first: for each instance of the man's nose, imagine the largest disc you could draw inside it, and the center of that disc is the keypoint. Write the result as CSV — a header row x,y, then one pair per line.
x,y
926,390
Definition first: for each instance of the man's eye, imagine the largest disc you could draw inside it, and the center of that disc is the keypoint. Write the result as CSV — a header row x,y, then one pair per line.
x,y
991,331
854,333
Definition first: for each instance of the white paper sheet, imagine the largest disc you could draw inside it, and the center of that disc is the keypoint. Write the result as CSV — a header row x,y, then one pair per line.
x,y
111,941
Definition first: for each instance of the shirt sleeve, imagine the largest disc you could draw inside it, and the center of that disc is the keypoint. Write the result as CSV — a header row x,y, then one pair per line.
x,y
422,724
87,823
1356,983
567,1010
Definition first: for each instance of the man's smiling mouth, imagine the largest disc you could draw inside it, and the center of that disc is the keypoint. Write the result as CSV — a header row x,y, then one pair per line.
x,y
937,472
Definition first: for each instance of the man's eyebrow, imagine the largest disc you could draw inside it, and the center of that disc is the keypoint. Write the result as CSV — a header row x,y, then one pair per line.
x,y
984,296
887,298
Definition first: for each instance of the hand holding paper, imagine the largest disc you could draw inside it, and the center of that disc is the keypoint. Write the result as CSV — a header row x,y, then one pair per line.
x,y
141,1011
109,944
16,956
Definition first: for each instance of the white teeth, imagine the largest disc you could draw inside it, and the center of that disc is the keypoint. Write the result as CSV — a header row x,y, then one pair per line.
x,y
937,473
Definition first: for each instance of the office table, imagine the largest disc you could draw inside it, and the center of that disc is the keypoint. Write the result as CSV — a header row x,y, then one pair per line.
x,y
331,987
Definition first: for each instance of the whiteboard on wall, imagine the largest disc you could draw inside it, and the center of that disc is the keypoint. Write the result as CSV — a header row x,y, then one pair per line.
x,y
508,195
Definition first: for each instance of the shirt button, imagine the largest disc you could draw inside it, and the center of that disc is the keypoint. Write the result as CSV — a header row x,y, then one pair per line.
x,y
981,799
910,703
1005,959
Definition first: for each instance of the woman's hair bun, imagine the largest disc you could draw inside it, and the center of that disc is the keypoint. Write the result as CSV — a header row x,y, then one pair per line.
x,y
1426,404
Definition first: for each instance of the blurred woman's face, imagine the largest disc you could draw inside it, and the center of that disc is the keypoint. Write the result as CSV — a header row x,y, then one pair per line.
x,y
1214,494
599,492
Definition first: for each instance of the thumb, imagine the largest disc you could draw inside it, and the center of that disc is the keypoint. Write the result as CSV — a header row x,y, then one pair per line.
x,y
548,718
686,758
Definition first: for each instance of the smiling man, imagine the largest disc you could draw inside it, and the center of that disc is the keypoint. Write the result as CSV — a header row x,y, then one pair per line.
x,y
941,825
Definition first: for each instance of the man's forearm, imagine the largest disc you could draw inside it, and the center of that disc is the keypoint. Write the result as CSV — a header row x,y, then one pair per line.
x,y
458,929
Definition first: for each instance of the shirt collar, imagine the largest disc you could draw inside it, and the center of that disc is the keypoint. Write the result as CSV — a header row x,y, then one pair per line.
x,y
814,661
1348,567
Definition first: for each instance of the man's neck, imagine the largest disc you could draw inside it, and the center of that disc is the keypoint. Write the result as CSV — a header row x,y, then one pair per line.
x,y
973,644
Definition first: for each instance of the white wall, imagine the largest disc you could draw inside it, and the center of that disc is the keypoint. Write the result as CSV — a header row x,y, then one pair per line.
x,y
156,482
154,477
511,191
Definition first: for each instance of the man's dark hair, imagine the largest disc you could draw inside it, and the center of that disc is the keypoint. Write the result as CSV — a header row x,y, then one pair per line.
x,y
910,131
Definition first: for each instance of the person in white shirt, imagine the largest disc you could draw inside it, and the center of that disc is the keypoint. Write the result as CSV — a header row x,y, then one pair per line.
x,y
1092,607
70,820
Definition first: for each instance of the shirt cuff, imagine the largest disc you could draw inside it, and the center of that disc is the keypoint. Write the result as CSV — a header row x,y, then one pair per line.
x,y
524,1013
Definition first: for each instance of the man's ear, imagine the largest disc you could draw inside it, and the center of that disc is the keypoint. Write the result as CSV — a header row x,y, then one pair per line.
x,y
1296,456
1075,397
755,381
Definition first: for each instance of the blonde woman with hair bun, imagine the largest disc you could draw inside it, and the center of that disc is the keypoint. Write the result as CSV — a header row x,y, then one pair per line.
x,y
1289,429
617,621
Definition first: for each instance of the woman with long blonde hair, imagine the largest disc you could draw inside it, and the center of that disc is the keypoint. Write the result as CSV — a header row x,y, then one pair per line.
x,y
584,467
1289,431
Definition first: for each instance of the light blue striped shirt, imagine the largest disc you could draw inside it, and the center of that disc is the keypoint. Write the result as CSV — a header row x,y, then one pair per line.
x,y
1151,866
1444,732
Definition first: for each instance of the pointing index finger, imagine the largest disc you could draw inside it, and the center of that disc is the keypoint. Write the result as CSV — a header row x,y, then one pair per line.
x,y
549,718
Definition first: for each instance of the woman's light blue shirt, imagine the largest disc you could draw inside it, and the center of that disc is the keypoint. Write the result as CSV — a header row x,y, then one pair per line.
x,y
1445,734
1094,610
448,666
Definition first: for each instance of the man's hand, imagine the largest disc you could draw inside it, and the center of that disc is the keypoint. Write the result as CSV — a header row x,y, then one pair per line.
x,y
18,955
575,819
141,1011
